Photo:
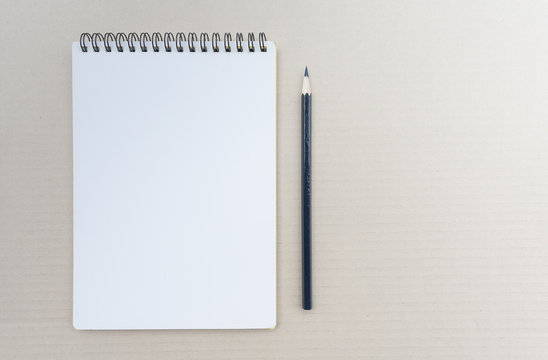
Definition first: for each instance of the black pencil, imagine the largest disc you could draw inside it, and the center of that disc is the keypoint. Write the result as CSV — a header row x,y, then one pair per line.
x,y
306,117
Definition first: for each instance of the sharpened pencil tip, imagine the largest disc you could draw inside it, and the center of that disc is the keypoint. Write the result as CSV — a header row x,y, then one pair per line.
x,y
306,82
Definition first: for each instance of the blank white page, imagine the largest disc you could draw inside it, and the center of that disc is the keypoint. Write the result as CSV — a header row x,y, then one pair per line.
x,y
174,188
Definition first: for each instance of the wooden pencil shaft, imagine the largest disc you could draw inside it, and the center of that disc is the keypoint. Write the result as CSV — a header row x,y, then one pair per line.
x,y
306,108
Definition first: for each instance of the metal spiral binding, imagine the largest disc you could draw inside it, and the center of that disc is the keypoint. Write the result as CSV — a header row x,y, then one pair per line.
x,y
226,40
107,43
130,38
215,37
167,39
239,39
203,38
155,37
250,40
179,41
191,38
156,40
143,38
94,38
118,39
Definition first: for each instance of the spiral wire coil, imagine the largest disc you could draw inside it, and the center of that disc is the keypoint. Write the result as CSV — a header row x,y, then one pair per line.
x,y
157,40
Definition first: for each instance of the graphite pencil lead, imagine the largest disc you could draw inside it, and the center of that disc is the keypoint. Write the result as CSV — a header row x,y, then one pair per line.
x,y
306,71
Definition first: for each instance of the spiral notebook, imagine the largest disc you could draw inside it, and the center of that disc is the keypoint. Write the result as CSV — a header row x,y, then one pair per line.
x,y
174,181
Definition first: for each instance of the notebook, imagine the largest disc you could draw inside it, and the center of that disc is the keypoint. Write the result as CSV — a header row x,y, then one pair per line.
x,y
174,145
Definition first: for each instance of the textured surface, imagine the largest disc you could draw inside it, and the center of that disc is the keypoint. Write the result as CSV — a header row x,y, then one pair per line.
x,y
430,175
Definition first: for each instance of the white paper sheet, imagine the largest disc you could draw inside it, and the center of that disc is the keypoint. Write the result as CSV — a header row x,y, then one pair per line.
x,y
174,189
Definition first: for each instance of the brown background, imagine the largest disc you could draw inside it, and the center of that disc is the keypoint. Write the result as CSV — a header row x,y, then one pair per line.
x,y
430,178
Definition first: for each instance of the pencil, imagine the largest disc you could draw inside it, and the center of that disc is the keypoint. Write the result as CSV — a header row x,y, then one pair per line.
x,y
306,117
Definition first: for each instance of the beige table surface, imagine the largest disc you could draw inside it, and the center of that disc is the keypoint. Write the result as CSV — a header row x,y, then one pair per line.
x,y
430,180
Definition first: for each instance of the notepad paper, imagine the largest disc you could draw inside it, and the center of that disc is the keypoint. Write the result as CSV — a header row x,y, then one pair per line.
x,y
174,189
